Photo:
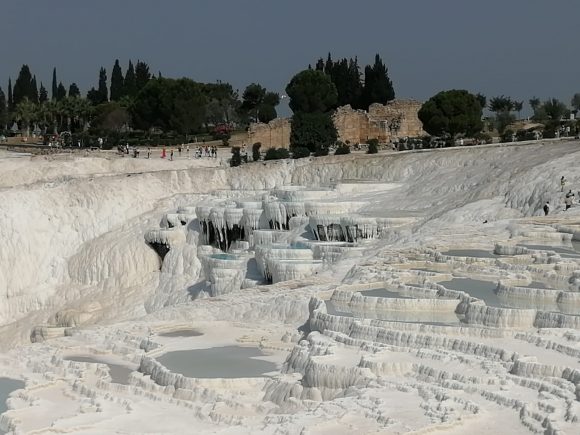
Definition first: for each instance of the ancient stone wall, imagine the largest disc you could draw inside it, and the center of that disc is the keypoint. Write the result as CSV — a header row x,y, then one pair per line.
x,y
275,134
393,120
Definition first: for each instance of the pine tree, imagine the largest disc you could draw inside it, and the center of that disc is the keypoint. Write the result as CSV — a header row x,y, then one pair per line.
x,y
116,82
54,84
130,83
73,90
328,65
10,95
34,91
60,92
103,94
142,75
320,65
42,94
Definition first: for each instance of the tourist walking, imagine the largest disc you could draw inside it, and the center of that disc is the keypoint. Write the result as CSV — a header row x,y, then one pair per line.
x,y
568,202
562,183
546,208
187,150
171,155
148,152
163,153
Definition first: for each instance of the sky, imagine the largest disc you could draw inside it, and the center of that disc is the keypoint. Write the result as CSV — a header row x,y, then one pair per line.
x,y
518,48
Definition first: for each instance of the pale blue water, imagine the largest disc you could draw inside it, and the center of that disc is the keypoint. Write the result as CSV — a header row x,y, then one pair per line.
x,y
7,386
224,257
476,253
384,293
119,374
218,362
181,333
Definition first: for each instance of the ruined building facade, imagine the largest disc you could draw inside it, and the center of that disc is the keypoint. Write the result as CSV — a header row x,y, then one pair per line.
x,y
396,119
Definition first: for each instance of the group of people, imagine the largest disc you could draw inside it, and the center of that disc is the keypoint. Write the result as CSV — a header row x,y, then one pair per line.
x,y
568,199
201,151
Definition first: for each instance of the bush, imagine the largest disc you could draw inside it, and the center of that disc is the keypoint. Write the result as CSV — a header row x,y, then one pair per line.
x,y
277,154
342,150
313,131
236,159
507,136
321,151
483,138
548,134
300,152
256,151
373,146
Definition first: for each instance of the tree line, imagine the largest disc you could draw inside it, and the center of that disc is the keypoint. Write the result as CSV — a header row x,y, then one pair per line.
x,y
132,99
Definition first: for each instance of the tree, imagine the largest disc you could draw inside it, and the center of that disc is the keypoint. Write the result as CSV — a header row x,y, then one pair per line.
x,y
130,82
256,151
10,95
502,106
74,91
25,111
42,94
259,104
34,91
54,85
311,91
482,100
314,131
3,110
60,92
110,116
24,87
450,113
378,87
535,103
142,75
553,110
102,89
518,106
236,159
575,102
169,104
116,82
94,96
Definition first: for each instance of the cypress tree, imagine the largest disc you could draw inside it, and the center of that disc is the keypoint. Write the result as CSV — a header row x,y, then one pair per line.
x,y
103,94
73,90
320,65
34,91
378,87
42,94
60,92
130,83
328,65
54,85
3,110
142,75
116,82
10,96
23,86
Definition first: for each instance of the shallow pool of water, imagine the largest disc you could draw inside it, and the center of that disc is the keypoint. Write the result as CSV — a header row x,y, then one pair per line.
x,y
224,257
119,374
7,386
218,362
384,293
181,333
424,317
476,253
484,290
563,251
538,284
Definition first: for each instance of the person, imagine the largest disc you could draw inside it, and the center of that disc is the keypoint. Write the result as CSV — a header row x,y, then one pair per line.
x,y
171,155
148,152
546,208
569,193
568,201
562,183
187,150
163,153
179,150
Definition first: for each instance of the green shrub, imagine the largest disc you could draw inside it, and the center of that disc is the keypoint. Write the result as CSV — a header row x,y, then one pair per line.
x,y
321,151
276,154
507,136
236,159
373,146
256,151
342,150
549,134
300,152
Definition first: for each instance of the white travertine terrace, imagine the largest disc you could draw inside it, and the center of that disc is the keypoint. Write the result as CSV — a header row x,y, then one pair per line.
x,y
358,321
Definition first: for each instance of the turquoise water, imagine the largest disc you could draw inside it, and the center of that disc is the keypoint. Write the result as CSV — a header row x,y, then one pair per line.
x,y
224,257
384,293
119,374
218,362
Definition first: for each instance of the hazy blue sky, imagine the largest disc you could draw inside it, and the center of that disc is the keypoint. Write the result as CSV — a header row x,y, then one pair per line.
x,y
514,47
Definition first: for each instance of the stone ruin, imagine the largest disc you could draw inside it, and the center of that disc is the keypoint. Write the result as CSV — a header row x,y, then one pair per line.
x,y
394,120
